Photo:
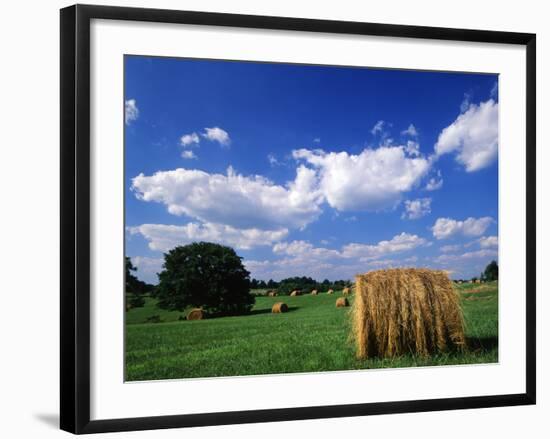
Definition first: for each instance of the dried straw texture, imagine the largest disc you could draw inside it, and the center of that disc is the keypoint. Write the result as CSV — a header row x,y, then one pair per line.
x,y
330,291
314,292
279,307
195,314
346,291
406,310
295,293
272,293
342,302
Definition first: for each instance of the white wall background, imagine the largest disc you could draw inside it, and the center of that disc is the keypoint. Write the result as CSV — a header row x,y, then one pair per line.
x,y
29,200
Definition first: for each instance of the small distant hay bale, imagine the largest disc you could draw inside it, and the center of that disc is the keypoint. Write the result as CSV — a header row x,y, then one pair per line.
x,y
279,308
402,311
314,292
346,291
195,314
331,291
342,302
295,293
272,293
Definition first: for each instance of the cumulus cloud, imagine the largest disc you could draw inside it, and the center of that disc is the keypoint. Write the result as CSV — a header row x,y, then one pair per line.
x,y
415,209
301,258
216,134
378,127
189,139
304,248
410,131
235,200
447,227
450,248
131,111
272,159
466,102
479,254
373,180
488,242
188,154
162,237
412,148
435,183
398,244
473,136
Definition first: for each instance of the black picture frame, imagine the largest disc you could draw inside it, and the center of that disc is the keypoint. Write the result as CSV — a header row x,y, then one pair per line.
x,y
75,217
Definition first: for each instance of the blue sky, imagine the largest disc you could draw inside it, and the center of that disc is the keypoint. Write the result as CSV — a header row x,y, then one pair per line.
x,y
320,171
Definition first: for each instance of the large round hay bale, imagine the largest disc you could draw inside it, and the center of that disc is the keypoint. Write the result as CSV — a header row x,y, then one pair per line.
x,y
331,291
279,307
272,293
195,314
346,291
406,310
342,302
295,293
314,292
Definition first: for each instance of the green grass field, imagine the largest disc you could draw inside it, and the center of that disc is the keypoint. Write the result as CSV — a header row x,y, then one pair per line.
x,y
311,337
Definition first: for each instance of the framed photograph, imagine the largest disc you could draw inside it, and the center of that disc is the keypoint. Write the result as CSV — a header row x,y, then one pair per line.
x,y
268,219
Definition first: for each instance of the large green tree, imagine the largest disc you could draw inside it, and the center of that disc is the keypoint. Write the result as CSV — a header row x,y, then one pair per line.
x,y
491,271
205,275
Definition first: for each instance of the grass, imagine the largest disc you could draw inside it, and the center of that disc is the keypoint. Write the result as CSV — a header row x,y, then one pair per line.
x,y
311,337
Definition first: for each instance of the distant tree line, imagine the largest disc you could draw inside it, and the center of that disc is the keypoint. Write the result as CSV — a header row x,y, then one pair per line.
x,y
490,274
303,283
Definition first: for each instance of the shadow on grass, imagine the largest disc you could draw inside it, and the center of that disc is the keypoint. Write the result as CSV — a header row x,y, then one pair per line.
x,y
482,344
268,311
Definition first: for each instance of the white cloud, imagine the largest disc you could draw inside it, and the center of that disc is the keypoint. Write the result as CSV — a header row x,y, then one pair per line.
x,y
131,111
304,248
189,139
412,148
410,131
473,136
450,248
448,227
188,154
233,199
415,209
465,102
217,134
479,254
163,237
393,263
488,241
272,159
435,183
378,127
398,244
301,258
373,180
